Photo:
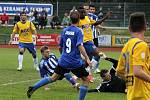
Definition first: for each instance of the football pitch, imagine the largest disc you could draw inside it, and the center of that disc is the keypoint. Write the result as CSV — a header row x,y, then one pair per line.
x,y
14,84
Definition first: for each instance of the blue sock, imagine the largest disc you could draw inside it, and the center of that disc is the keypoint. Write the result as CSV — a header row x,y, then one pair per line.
x,y
97,66
42,82
97,58
82,92
69,78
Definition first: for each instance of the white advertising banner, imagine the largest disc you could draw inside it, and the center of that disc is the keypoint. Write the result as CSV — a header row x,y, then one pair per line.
x,y
104,40
13,8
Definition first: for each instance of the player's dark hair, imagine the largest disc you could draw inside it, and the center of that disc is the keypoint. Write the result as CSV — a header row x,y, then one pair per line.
x,y
80,8
75,17
43,48
137,22
91,5
103,72
85,4
82,12
22,13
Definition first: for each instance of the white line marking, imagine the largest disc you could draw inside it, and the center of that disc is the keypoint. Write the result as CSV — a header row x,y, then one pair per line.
x,y
13,83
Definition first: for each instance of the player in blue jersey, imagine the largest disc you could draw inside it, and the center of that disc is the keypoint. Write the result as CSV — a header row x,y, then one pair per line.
x,y
93,16
48,64
71,47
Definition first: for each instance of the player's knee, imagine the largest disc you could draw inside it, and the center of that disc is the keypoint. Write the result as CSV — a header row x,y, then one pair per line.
x,y
54,79
85,79
20,52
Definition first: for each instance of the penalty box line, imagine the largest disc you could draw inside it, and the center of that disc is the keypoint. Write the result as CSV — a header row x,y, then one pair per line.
x,y
19,82
26,81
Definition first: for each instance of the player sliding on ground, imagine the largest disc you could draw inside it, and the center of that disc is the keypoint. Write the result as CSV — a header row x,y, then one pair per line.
x,y
71,46
48,64
110,82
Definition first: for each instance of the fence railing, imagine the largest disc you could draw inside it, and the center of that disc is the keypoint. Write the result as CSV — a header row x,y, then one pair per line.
x,y
121,11
4,38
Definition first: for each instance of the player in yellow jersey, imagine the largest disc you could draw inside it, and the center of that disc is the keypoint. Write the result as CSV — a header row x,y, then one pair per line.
x,y
133,63
25,29
85,23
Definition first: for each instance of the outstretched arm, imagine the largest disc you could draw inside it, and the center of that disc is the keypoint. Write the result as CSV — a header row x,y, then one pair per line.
x,y
101,88
15,30
93,90
114,61
103,19
11,37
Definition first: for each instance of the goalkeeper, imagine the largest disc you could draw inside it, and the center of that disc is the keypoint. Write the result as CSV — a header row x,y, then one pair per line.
x,y
110,82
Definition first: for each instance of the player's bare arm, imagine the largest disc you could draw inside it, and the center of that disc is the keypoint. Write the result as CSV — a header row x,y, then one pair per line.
x,y
103,19
139,73
34,32
11,37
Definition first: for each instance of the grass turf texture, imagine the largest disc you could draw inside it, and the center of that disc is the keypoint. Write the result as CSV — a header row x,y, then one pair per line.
x,y
8,30
60,90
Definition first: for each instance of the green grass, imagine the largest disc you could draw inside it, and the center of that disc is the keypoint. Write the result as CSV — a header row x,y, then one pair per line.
x,y
8,30
5,33
60,90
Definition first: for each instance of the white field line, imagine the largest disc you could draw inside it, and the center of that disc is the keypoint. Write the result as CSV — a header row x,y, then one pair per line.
x,y
26,81
19,82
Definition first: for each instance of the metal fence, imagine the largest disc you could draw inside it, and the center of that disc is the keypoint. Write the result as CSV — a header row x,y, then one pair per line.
x,y
121,11
4,38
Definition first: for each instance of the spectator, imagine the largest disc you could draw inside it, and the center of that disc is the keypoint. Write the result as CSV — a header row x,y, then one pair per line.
x,y
23,10
36,16
4,18
55,22
73,9
66,20
31,12
31,17
16,18
43,18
